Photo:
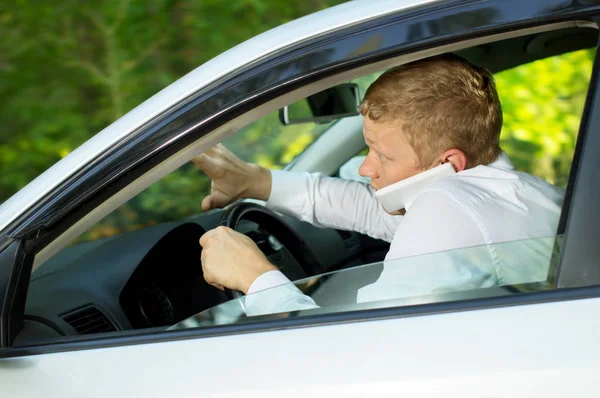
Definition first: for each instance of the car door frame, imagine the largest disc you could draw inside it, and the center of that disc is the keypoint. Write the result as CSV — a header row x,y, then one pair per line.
x,y
579,275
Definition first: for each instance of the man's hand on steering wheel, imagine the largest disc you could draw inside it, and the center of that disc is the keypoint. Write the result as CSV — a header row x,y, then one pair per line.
x,y
231,259
232,178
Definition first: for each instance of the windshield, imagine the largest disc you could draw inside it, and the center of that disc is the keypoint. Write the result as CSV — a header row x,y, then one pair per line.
x,y
515,267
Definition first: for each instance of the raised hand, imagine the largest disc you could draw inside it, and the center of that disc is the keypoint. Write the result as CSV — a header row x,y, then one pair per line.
x,y
232,178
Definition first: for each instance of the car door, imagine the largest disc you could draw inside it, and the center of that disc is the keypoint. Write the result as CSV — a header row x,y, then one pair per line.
x,y
522,344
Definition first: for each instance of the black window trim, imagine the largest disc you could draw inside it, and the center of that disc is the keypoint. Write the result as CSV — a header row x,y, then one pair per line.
x,y
580,257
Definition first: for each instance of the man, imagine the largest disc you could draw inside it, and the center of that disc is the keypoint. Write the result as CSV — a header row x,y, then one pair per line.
x,y
416,117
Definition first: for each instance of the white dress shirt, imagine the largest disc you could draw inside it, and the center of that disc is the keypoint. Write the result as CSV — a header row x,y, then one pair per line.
x,y
482,206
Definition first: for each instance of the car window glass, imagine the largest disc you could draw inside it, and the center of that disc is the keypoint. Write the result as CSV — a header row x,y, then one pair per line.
x,y
272,144
266,142
178,195
438,280
542,104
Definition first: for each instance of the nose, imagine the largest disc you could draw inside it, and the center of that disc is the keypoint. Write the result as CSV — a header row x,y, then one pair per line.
x,y
366,169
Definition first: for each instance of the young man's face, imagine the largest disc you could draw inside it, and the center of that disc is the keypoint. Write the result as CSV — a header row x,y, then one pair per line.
x,y
391,158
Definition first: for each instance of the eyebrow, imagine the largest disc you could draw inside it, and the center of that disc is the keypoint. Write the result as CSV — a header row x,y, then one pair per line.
x,y
370,144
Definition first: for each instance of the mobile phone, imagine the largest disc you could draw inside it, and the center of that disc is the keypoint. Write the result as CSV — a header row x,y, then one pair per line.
x,y
395,197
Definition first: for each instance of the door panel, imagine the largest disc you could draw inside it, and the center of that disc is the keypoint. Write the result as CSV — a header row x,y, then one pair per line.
x,y
522,351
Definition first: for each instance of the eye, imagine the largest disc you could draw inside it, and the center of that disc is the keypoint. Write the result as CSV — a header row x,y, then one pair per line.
x,y
380,156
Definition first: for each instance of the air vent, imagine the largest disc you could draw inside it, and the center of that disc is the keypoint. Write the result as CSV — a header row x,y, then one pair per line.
x,y
89,320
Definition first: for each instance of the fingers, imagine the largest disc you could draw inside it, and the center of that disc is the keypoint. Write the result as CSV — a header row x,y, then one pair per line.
x,y
213,283
231,259
206,236
220,287
212,233
216,163
210,165
206,203
209,276
217,200
211,153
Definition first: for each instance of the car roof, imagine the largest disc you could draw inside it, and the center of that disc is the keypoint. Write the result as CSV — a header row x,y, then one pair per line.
x,y
242,55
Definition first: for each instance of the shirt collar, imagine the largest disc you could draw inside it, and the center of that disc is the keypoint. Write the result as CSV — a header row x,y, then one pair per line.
x,y
502,162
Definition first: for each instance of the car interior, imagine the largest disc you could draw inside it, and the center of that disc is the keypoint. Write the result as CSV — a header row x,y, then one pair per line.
x,y
151,278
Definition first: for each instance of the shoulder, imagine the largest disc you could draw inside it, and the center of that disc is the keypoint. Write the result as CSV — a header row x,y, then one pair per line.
x,y
435,222
483,184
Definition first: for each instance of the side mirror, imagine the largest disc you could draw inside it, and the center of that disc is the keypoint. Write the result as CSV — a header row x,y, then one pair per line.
x,y
323,107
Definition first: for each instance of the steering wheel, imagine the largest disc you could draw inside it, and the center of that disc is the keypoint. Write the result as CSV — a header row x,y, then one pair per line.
x,y
274,224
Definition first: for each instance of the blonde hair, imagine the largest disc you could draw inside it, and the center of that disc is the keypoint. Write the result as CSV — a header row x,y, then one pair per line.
x,y
442,103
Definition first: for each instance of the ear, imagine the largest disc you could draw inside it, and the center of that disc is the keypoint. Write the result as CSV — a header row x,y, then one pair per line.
x,y
456,157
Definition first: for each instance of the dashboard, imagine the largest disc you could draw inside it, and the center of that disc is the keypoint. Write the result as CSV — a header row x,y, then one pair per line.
x,y
152,277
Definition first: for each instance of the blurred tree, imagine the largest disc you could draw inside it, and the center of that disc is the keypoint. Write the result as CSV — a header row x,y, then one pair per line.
x,y
71,68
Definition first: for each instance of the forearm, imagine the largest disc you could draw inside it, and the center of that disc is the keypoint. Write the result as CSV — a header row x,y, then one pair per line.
x,y
331,202
259,183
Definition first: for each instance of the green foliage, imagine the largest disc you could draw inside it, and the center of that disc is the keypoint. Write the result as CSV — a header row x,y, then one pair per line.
x,y
71,68
542,104
271,144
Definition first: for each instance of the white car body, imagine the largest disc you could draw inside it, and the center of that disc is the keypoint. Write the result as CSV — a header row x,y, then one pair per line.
x,y
525,351
544,345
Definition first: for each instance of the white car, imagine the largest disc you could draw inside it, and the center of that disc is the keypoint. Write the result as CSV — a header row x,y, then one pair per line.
x,y
130,314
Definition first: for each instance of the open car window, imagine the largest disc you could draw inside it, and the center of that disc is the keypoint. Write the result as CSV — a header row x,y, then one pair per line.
x,y
272,144
528,266
542,104
266,142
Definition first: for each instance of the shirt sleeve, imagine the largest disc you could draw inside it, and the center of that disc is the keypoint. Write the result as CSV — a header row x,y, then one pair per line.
x,y
272,292
438,248
331,202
